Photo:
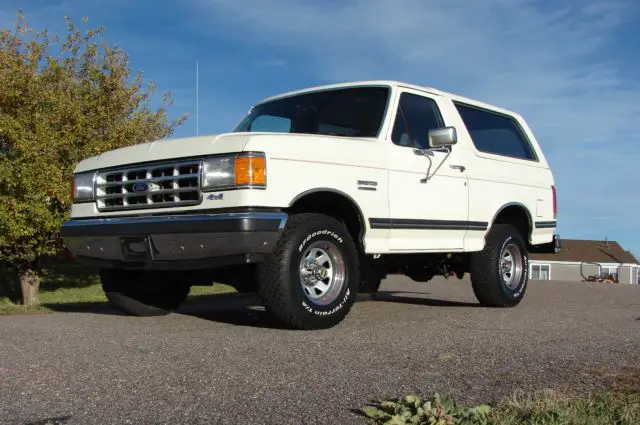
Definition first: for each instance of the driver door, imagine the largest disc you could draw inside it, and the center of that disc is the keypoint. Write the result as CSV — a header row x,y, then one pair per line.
x,y
428,190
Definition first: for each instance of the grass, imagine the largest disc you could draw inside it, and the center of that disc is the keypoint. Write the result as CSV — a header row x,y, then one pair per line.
x,y
619,405
551,408
73,283
539,408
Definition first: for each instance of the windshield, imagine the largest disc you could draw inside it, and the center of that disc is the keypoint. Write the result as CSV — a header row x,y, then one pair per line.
x,y
355,111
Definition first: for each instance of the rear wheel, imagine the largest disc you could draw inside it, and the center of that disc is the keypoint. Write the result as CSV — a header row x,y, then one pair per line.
x,y
310,281
143,293
499,273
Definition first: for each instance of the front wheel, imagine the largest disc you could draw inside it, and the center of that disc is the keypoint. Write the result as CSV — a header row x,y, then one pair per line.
x,y
141,293
500,272
310,281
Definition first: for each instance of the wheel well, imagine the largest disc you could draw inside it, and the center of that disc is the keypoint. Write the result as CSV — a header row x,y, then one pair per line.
x,y
517,216
336,205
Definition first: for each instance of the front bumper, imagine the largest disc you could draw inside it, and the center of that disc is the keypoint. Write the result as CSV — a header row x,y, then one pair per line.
x,y
190,241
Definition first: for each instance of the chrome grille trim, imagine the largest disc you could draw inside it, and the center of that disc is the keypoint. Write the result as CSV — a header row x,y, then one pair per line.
x,y
158,179
168,184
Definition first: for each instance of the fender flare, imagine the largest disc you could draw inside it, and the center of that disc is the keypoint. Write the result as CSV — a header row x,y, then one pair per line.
x,y
514,204
360,214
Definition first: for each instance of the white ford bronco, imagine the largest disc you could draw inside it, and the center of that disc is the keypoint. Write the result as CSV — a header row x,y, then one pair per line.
x,y
317,195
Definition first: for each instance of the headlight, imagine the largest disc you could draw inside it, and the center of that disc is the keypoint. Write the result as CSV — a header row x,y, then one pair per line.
x,y
234,172
83,187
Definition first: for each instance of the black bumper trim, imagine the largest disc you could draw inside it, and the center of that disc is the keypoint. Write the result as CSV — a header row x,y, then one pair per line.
x,y
174,242
182,265
174,224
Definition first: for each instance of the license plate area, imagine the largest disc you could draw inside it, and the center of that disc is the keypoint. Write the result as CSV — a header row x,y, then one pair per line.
x,y
135,248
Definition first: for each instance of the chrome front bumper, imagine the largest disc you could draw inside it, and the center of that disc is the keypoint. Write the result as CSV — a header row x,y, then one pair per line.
x,y
189,241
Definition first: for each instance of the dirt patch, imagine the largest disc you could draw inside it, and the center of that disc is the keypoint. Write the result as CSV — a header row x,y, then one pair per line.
x,y
625,380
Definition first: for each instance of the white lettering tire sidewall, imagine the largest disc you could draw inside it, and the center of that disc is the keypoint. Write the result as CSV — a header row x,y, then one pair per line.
x,y
347,292
519,291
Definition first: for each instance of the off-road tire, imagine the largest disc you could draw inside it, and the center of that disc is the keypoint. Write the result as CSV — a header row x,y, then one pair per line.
x,y
279,281
486,278
141,293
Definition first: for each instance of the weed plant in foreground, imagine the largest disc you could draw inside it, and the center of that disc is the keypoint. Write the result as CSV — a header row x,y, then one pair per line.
x,y
618,406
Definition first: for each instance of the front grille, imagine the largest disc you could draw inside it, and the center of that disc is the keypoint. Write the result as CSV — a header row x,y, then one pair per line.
x,y
153,186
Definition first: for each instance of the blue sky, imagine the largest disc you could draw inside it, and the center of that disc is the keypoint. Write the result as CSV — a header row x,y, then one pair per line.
x,y
570,67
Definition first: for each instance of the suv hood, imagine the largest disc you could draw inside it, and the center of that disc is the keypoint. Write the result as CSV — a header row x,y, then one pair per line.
x,y
166,149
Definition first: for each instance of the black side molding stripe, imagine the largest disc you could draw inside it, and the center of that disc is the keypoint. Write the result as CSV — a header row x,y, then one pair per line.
x,y
545,224
403,223
477,225
380,223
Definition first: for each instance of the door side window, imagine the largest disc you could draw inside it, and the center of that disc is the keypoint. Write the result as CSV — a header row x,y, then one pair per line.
x,y
416,115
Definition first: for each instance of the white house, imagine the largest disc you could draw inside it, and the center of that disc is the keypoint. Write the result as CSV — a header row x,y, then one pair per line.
x,y
586,260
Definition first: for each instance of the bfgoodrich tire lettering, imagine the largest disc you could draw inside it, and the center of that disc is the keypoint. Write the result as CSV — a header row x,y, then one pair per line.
x,y
499,273
281,283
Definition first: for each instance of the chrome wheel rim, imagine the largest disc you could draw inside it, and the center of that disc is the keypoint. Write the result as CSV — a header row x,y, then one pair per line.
x,y
511,266
322,272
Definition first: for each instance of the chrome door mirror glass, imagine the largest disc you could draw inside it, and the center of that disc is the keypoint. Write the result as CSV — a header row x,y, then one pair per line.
x,y
441,137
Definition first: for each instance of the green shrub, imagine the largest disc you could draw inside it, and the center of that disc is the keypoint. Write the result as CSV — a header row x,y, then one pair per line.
x,y
63,98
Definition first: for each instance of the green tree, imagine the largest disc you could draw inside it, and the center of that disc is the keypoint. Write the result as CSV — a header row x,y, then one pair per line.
x,y
62,99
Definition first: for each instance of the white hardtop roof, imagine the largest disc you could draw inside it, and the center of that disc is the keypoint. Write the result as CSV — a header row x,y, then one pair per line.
x,y
393,83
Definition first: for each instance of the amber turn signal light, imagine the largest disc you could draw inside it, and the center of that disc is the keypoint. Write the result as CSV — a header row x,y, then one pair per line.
x,y
251,171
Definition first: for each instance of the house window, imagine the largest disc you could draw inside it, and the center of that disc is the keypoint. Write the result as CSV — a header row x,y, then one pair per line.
x,y
609,272
540,272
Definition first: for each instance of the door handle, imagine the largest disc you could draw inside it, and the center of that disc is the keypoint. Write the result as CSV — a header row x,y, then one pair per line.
x,y
458,167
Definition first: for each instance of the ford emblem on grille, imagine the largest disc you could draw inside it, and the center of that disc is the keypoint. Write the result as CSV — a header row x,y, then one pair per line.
x,y
140,187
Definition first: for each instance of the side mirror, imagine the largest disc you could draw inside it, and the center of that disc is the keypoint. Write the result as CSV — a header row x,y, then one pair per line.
x,y
440,137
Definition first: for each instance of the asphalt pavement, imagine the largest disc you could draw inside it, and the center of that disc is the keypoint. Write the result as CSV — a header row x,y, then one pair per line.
x,y
221,361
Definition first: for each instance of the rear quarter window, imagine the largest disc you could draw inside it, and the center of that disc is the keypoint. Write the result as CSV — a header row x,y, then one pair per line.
x,y
495,133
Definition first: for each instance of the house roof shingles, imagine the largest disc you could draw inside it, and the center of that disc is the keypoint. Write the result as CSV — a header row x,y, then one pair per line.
x,y
575,250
